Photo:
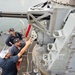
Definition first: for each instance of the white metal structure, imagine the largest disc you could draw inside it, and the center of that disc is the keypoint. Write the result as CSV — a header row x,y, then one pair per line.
x,y
54,25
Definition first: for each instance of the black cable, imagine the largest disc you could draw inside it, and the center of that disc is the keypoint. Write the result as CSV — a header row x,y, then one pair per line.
x,y
38,5
44,4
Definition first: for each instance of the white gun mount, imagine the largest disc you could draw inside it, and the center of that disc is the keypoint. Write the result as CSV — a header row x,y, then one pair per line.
x,y
54,25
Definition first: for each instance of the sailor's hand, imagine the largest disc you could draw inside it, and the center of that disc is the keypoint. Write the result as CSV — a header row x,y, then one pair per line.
x,y
20,60
26,38
29,41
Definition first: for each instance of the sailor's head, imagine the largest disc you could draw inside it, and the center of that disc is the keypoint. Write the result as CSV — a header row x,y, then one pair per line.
x,y
17,42
5,54
11,30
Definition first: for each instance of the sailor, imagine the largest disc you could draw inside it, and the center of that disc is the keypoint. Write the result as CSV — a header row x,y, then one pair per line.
x,y
15,49
18,45
12,36
8,62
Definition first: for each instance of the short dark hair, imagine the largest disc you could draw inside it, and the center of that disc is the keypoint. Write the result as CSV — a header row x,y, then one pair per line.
x,y
16,40
11,29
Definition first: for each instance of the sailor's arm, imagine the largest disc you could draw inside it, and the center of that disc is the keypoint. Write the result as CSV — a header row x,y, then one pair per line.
x,y
25,47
